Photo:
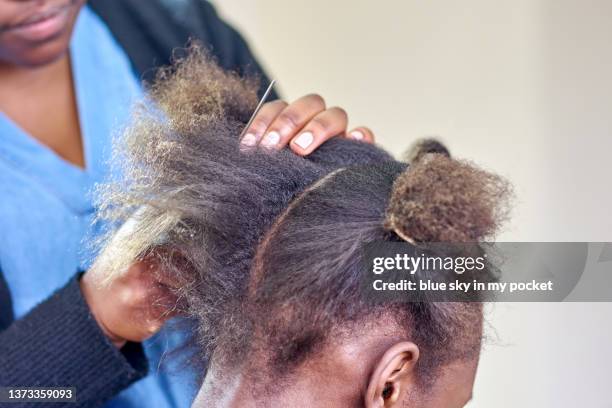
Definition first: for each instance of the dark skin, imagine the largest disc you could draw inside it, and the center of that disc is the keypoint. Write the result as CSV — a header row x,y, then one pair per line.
x,y
37,79
36,74
37,93
375,370
372,369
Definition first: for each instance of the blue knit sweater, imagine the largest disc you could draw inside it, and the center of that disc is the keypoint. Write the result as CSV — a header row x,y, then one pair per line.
x,y
52,340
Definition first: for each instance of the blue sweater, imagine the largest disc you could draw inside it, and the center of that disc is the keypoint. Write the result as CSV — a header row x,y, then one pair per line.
x,y
46,209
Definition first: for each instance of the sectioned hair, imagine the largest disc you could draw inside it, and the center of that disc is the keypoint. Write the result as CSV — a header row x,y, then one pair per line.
x,y
265,245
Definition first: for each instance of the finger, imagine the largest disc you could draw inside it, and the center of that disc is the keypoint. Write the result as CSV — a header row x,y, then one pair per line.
x,y
152,268
138,325
262,121
164,305
362,134
151,327
160,306
327,124
291,120
143,289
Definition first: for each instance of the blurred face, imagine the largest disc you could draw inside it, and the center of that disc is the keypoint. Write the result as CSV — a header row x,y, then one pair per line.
x,y
36,32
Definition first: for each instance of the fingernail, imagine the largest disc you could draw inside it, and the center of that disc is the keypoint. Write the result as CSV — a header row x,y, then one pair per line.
x,y
249,140
271,139
357,135
304,140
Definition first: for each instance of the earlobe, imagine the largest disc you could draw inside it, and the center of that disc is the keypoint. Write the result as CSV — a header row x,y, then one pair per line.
x,y
393,376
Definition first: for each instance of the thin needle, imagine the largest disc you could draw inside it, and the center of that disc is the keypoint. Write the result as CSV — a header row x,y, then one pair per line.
x,y
259,105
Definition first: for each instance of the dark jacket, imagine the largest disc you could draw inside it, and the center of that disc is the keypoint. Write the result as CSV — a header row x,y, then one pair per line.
x,y
150,33
6,307
59,343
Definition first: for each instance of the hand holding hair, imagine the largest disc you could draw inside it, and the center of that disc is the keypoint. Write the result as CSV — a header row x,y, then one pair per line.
x,y
129,306
303,125
273,291
128,301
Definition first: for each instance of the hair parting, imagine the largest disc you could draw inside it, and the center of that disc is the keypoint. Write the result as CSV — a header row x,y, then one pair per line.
x,y
264,246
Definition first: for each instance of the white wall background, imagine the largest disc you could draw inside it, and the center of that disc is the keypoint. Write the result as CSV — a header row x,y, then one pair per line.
x,y
523,87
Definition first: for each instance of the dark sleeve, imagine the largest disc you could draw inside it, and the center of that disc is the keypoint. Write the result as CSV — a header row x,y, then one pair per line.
x,y
152,32
226,42
6,307
59,344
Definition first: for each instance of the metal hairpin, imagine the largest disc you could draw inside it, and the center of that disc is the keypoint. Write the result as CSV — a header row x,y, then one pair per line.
x,y
258,108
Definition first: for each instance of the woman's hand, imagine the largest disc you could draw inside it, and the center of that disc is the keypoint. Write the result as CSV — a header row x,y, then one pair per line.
x,y
133,306
304,125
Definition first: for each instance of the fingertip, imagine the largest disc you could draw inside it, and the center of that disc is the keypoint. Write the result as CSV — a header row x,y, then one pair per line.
x,y
361,134
271,140
304,140
249,140
261,123
304,143
356,135
298,150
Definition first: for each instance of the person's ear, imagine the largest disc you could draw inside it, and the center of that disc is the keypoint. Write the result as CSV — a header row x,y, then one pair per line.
x,y
393,376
